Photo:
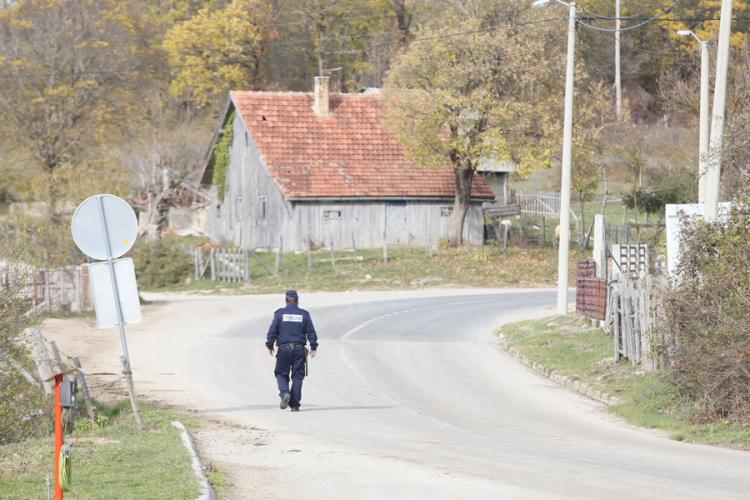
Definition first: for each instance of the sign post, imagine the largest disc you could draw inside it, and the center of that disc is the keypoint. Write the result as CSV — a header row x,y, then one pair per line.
x,y
59,379
58,435
105,227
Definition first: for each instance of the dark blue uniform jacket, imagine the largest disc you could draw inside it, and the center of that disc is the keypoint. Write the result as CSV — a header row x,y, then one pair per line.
x,y
292,325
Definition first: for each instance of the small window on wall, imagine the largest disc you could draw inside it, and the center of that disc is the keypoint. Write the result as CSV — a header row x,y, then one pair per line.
x,y
331,214
247,140
238,208
446,211
262,207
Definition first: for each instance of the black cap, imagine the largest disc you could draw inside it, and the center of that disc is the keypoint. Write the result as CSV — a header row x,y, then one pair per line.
x,y
291,294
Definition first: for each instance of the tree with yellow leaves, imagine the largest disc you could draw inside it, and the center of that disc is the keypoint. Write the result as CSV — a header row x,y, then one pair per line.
x,y
493,93
64,68
220,49
702,18
68,73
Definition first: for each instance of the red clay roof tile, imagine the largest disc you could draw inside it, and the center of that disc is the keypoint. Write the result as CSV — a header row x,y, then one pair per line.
x,y
348,154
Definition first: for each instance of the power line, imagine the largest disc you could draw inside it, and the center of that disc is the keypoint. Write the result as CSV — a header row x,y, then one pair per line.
x,y
634,27
624,18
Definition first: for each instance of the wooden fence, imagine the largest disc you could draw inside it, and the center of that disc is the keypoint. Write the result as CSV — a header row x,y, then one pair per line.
x,y
222,264
50,290
633,309
539,204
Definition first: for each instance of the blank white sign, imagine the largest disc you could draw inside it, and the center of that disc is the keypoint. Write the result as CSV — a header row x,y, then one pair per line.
x,y
103,294
88,232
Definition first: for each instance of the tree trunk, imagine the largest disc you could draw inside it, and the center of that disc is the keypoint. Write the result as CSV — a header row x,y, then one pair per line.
x,y
404,21
153,231
464,178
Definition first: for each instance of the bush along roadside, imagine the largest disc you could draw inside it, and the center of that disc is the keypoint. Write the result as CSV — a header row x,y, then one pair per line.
x,y
162,263
110,459
707,319
582,356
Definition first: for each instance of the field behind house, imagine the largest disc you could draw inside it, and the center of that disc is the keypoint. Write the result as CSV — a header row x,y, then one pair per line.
x,y
406,268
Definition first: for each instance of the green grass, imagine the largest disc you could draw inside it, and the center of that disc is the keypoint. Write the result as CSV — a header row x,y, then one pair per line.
x,y
647,399
407,268
218,480
562,347
111,461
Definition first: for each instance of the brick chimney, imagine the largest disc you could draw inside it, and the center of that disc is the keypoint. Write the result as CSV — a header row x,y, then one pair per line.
x,y
320,106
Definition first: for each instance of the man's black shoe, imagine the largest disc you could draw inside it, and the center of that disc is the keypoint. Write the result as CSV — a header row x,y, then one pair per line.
x,y
295,409
285,400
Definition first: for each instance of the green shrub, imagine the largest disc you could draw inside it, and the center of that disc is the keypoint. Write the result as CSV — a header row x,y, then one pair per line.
x,y
221,156
162,263
23,406
708,319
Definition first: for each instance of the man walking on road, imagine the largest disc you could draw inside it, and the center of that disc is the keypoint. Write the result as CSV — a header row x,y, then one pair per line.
x,y
290,330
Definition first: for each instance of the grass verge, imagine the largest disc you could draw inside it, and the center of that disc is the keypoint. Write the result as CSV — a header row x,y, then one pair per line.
x,y
110,460
569,347
407,268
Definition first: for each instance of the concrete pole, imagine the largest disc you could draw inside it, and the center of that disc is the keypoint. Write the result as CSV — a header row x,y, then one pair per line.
x,y
618,81
713,174
704,124
567,155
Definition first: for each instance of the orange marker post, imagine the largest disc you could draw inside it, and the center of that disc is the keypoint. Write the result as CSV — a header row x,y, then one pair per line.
x,y
58,436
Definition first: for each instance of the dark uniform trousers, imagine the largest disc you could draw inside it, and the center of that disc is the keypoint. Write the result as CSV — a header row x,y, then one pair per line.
x,y
290,360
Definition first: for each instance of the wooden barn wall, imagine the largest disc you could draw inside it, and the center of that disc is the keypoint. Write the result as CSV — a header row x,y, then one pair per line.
x,y
237,219
415,223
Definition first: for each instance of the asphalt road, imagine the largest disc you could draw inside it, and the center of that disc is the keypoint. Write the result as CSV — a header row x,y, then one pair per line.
x,y
411,398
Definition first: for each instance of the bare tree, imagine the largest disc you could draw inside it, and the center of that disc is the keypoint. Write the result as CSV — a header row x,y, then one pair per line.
x,y
164,156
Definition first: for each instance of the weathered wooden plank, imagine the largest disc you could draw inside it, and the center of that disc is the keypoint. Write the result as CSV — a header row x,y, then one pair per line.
x,y
309,253
41,358
333,256
279,251
212,261
81,379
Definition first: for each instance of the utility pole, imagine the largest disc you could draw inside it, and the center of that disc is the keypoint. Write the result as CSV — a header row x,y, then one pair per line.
x,y
713,173
704,117
704,125
567,161
618,81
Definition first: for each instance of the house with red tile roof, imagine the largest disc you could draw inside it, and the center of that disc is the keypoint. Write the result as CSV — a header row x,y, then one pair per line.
x,y
320,169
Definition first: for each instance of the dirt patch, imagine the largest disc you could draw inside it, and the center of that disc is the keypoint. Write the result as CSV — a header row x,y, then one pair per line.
x,y
230,448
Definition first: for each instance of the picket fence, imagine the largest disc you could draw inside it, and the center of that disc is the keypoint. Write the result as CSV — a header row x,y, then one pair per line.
x,y
633,308
50,290
222,264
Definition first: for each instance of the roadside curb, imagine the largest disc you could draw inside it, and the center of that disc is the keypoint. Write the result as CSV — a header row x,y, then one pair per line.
x,y
206,491
571,383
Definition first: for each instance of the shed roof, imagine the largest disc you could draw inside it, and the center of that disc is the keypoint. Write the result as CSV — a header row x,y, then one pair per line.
x,y
348,154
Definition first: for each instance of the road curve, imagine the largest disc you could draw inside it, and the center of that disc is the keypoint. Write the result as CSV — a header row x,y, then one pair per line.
x,y
411,398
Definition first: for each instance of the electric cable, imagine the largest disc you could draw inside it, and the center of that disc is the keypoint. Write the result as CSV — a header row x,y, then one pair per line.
x,y
629,28
623,18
